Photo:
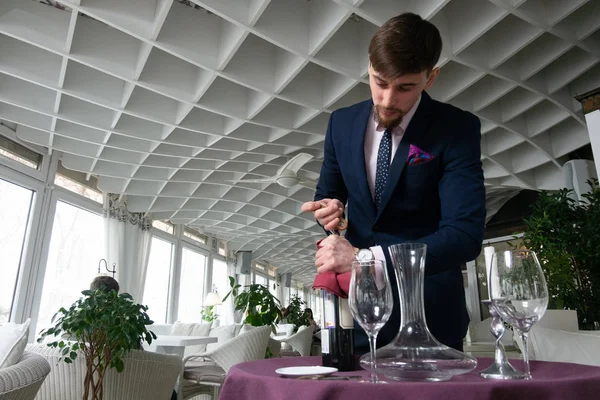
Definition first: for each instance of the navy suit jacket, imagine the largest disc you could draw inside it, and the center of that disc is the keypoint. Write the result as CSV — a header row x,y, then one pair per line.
x,y
440,203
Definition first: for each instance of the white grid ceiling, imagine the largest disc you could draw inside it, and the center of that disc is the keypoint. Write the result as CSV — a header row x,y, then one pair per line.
x,y
165,102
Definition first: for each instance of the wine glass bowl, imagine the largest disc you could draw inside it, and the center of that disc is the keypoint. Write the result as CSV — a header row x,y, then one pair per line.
x,y
371,302
519,293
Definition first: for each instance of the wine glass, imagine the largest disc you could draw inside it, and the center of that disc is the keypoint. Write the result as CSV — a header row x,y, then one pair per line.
x,y
518,292
371,302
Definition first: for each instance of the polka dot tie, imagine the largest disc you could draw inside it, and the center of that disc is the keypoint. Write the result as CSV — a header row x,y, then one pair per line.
x,y
383,164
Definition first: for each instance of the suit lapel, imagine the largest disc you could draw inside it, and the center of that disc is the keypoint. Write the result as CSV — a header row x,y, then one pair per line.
x,y
358,151
416,130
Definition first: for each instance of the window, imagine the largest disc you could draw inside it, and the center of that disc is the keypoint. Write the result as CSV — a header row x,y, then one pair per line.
x,y
300,293
19,153
77,182
15,203
76,187
158,276
76,247
220,278
191,285
222,250
195,235
260,280
164,226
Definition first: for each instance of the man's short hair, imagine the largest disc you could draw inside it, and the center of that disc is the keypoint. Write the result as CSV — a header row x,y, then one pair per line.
x,y
105,282
405,44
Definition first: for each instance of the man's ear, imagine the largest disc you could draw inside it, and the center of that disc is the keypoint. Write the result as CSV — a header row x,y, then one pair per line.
x,y
432,77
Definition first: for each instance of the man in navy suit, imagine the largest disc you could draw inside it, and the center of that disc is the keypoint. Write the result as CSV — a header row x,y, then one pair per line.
x,y
405,168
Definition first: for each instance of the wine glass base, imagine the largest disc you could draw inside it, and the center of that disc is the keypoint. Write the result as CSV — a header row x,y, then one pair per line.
x,y
503,371
377,382
419,379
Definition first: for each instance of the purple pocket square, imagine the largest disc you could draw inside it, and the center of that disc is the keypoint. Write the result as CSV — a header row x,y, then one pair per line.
x,y
417,156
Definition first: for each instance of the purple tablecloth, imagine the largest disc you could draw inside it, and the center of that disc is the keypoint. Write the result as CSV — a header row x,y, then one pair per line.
x,y
551,381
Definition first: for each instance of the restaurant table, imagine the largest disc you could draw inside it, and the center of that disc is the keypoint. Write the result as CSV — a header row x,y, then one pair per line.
x,y
551,381
170,344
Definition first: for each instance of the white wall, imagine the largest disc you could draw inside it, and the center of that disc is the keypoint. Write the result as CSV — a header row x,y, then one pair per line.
x,y
593,122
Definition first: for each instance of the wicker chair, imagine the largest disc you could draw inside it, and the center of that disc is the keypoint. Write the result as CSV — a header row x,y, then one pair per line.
x,y
147,375
300,342
23,380
208,378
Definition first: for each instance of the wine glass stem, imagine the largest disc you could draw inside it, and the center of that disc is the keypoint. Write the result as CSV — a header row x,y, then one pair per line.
x,y
525,341
373,348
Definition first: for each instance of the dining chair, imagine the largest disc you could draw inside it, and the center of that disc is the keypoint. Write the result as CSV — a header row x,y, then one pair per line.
x,y
209,369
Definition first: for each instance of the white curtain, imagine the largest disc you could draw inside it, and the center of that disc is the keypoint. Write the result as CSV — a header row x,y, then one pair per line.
x,y
127,245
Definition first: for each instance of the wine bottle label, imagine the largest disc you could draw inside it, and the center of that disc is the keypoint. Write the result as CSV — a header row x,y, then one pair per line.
x,y
325,341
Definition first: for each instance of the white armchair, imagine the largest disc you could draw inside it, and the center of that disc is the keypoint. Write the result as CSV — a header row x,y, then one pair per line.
x,y
300,342
581,347
208,377
147,375
22,380
556,337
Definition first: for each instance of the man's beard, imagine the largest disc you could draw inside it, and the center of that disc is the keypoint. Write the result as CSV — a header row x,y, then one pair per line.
x,y
388,123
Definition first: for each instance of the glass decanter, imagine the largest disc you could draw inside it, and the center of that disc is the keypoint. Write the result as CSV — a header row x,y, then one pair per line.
x,y
415,354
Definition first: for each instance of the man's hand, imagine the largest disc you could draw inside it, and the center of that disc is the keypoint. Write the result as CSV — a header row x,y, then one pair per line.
x,y
327,212
335,254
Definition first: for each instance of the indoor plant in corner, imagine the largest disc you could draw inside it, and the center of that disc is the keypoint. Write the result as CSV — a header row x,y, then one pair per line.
x,y
104,326
296,314
259,305
208,314
565,234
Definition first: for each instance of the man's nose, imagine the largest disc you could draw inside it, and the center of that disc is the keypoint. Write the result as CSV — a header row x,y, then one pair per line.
x,y
387,99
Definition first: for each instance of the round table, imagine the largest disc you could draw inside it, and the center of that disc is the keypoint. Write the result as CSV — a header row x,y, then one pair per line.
x,y
551,380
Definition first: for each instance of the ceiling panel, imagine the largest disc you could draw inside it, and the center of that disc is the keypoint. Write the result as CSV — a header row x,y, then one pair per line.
x,y
173,102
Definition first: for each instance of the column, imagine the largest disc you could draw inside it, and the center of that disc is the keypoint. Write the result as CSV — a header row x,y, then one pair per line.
x,y
591,108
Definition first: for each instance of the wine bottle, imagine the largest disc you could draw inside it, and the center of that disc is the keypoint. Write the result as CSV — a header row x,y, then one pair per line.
x,y
337,340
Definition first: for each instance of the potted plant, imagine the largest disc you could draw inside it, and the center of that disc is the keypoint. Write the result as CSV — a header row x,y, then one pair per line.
x,y
208,314
104,326
565,234
259,305
295,313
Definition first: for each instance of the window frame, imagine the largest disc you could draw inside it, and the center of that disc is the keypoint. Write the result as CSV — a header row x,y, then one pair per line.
x,y
57,194
178,241
45,165
167,237
207,274
30,252
173,289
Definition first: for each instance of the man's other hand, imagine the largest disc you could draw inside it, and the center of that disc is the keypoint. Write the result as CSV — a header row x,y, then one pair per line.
x,y
326,211
335,254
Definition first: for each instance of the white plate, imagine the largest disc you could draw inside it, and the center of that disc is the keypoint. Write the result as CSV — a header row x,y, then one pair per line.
x,y
306,371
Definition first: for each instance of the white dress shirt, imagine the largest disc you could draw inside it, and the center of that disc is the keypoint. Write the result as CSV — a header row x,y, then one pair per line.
x,y
373,137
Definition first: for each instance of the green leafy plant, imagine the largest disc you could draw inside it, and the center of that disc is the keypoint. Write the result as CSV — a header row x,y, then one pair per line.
x,y
565,234
295,312
208,314
104,326
259,305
